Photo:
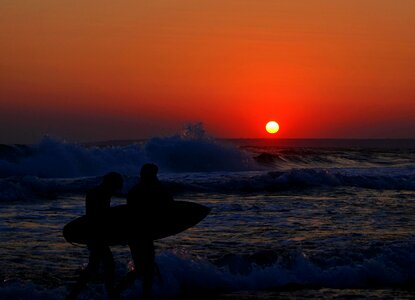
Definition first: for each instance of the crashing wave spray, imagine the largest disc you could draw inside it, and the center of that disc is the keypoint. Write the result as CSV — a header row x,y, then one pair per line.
x,y
190,151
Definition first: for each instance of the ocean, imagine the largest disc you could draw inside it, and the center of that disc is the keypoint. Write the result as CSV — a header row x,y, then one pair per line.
x,y
290,219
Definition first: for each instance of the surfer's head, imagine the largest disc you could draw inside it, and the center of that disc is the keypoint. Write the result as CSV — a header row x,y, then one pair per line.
x,y
149,172
113,181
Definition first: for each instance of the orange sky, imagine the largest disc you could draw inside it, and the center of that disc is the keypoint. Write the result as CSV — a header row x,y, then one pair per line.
x,y
96,70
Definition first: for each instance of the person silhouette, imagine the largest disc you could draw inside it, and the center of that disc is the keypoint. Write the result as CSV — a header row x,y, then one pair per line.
x,y
145,200
97,203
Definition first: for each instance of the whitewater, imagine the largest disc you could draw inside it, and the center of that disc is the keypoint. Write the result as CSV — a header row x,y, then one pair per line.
x,y
292,218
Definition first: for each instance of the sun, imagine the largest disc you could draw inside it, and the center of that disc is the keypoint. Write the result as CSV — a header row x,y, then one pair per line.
x,y
272,127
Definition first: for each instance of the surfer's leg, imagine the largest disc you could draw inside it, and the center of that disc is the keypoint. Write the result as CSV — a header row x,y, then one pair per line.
x,y
129,278
85,276
109,270
143,257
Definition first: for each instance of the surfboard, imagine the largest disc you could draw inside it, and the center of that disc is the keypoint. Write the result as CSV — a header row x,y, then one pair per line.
x,y
120,225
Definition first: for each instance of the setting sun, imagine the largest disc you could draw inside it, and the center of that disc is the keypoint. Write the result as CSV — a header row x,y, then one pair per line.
x,y
272,127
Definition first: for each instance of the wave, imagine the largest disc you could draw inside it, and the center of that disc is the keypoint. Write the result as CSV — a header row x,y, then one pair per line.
x,y
190,151
392,266
186,276
27,188
17,188
286,158
53,158
373,178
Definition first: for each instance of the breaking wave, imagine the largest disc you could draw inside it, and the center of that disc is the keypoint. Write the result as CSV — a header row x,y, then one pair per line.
x,y
52,158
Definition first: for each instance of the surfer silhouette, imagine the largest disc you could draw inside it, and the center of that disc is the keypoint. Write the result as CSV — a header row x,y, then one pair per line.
x,y
145,199
97,203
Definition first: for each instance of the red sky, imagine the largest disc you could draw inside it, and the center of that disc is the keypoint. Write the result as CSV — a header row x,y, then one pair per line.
x,y
96,70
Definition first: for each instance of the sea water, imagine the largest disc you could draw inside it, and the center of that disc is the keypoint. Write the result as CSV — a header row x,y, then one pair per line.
x,y
290,219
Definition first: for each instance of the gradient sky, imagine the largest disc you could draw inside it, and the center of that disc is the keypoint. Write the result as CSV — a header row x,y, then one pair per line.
x,y
97,70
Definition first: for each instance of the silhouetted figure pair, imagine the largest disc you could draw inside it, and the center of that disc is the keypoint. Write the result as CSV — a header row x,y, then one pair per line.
x,y
97,203
145,200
